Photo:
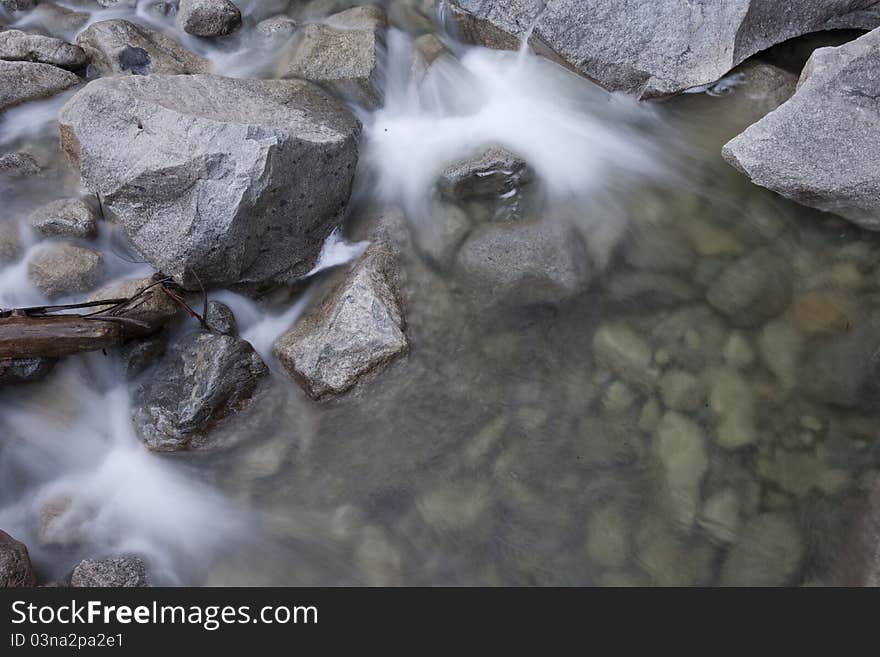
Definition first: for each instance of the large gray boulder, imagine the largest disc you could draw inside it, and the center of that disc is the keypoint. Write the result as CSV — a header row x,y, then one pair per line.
x,y
113,572
16,45
24,81
119,47
821,148
199,383
208,18
652,49
217,181
15,563
356,329
342,53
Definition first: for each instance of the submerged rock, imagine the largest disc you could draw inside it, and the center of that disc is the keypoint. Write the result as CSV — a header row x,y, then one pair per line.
x,y
680,447
342,53
21,82
71,217
492,172
621,350
57,270
15,564
217,181
200,382
821,148
18,165
208,18
113,572
24,370
523,263
650,49
768,552
753,289
358,328
16,45
118,47
276,27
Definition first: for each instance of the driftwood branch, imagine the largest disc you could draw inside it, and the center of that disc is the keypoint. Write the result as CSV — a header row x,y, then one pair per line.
x,y
42,331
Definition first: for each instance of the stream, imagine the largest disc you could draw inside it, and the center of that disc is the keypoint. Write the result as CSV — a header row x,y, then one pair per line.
x,y
522,443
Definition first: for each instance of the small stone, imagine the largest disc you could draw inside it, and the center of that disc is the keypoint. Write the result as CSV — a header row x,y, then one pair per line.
x,y
19,165
710,239
738,351
781,346
847,274
114,572
811,423
824,311
276,27
682,391
733,405
618,348
493,172
221,319
720,516
669,559
456,508
680,446
659,248
608,537
72,218
58,270
11,248
378,559
769,552
618,398
753,289
799,472
649,418
486,439
208,18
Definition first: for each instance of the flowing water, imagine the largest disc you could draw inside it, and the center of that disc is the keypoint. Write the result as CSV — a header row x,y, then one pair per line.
x,y
524,443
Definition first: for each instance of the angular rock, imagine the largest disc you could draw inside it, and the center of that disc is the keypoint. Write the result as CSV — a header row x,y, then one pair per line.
x,y
544,262
15,564
358,328
753,289
117,47
651,49
208,18
57,270
342,53
24,370
71,217
492,172
16,45
200,382
113,572
217,181
820,148
769,552
21,82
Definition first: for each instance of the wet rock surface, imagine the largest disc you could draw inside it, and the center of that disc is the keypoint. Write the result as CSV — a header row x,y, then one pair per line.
x,y
24,370
112,572
358,328
16,45
120,47
820,148
61,269
342,53
216,181
655,49
208,18
15,564
21,82
72,218
492,172
199,383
